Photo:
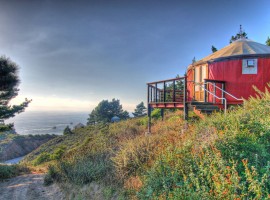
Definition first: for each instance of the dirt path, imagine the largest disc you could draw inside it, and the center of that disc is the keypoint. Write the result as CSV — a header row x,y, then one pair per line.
x,y
28,187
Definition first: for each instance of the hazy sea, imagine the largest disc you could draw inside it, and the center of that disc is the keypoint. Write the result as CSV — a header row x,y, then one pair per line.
x,y
46,122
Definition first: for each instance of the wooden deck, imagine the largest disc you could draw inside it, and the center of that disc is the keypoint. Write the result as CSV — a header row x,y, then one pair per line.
x,y
166,105
169,93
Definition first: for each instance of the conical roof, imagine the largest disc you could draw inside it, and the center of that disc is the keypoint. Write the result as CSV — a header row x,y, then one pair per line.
x,y
241,47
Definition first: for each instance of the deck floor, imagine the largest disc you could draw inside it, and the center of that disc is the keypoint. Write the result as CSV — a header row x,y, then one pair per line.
x,y
166,105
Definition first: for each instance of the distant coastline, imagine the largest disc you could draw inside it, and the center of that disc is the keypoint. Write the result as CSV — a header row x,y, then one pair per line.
x,y
46,122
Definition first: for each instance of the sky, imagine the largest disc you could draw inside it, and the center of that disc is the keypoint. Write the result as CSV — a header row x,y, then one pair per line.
x,y
73,54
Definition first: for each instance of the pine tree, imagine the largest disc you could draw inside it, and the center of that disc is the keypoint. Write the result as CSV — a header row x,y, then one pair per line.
x,y
106,110
239,35
214,49
140,110
267,41
67,131
193,60
9,82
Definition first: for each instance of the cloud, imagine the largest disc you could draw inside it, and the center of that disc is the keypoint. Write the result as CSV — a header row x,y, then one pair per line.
x,y
53,103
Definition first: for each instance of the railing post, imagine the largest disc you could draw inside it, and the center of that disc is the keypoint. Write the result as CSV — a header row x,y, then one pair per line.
x,y
173,90
205,93
185,99
164,91
148,99
223,89
156,95
151,93
214,99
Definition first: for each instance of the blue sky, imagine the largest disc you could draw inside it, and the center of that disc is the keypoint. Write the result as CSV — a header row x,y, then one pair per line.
x,y
73,54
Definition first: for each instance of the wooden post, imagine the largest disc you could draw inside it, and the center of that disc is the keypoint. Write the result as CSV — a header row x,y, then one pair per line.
x,y
185,99
148,95
151,93
162,113
164,91
156,95
205,93
149,118
214,98
223,89
194,84
173,90
148,106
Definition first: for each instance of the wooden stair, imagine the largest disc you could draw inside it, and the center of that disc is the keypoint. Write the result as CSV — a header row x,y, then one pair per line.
x,y
203,108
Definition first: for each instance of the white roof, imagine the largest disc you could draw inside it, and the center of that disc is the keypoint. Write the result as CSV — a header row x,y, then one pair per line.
x,y
237,48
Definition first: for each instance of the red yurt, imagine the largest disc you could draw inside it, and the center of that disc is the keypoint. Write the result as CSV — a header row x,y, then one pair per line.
x,y
223,78
234,69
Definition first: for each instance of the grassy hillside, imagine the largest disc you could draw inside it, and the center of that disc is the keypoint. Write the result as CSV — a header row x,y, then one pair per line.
x,y
222,157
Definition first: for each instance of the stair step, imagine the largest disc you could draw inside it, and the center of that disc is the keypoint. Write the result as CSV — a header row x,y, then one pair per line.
x,y
206,107
208,111
203,108
200,103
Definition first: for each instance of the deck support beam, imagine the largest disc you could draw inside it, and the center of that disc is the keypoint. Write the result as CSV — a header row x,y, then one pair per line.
x,y
149,118
162,113
185,100
186,111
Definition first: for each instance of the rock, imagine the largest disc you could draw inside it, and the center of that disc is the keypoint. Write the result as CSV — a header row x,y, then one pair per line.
x,y
79,125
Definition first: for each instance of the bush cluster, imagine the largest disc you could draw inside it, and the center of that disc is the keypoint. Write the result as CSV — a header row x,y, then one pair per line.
x,y
9,171
225,157
221,157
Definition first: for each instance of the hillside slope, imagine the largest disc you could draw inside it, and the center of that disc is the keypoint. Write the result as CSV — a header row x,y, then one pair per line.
x,y
222,157
14,145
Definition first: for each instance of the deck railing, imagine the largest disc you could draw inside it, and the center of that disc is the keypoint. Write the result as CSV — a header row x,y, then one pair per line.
x,y
170,93
218,86
167,91
214,84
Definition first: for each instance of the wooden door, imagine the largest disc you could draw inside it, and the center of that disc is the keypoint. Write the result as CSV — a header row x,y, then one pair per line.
x,y
200,75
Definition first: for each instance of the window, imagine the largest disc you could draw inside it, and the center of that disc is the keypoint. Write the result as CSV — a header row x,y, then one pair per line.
x,y
250,63
249,66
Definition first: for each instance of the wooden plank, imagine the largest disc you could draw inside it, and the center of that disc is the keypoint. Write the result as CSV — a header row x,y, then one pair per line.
x,y
166,105
167,80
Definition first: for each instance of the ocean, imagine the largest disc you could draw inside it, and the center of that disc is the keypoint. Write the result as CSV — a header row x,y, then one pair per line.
x,y
46,122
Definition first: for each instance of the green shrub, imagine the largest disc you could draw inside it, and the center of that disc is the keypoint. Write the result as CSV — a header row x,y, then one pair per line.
x,y
67,131
47,180
134,155
42,158
6,127
52,175
156,114
58,153
108,192
229,158
125,129
7,171
86,170
143,121
203,175
221,157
